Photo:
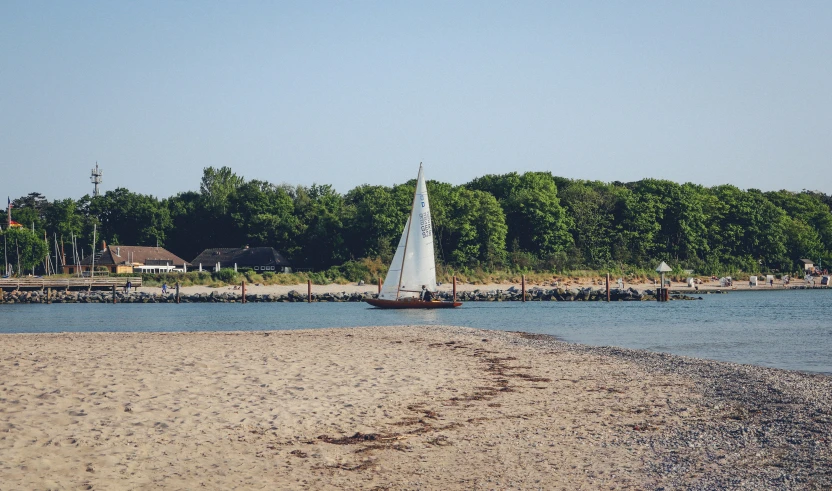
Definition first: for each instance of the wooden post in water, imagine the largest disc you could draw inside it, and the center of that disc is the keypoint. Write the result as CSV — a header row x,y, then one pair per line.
x,y
48,295
308,291
663,294
454,288
379,286
523,287
177,292
608,287
114,293
243,284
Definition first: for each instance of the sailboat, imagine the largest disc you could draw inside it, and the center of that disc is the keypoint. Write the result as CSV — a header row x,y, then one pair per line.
x,y
413,269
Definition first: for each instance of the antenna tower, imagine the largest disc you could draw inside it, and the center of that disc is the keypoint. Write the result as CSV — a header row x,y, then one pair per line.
x,y
96,178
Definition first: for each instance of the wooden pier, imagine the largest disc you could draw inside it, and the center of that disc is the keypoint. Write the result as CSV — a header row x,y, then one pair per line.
x,y
94,283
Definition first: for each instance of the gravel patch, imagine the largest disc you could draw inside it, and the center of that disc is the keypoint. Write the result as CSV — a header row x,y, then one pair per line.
x,y
771,428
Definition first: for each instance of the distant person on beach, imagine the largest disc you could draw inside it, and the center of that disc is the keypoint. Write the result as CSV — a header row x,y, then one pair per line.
x,y
164,288
127,287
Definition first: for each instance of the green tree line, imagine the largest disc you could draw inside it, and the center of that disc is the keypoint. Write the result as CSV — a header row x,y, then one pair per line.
x,y
518,222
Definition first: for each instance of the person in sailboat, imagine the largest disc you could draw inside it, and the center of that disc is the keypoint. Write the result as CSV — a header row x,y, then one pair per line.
x,y
426,295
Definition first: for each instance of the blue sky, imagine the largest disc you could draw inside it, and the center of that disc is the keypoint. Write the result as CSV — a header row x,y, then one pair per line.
x,y
346,93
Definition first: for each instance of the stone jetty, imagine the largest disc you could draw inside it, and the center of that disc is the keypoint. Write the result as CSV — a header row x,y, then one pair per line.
x,y
512,294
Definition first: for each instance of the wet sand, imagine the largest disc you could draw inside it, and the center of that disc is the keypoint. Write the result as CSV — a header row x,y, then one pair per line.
x,y
412,407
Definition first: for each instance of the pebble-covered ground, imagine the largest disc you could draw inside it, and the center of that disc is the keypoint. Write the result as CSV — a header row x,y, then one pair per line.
x,y
775,429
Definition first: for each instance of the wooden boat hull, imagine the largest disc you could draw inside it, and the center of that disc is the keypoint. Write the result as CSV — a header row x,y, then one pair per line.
x,y
411,304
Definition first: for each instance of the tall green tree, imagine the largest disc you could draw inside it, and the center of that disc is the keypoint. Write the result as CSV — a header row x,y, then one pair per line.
x,y
192,226
807,207
750,229
218,186
536,220
478,230
29,211
25,249
63,218
591,207
320,243
802,241
263,215
129,218
442,196
217,189
375,220
638,227
677,209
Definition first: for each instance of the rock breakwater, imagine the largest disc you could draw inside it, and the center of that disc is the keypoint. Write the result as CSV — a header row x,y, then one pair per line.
x,y
509,295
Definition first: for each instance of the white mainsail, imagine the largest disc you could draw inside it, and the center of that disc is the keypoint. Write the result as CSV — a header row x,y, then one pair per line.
x,y
413,264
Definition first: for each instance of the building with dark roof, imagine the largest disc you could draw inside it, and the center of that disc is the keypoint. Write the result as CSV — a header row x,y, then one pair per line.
x,y
259,259
130,259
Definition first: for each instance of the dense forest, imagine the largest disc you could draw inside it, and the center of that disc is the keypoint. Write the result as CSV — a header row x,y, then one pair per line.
x,y
518,222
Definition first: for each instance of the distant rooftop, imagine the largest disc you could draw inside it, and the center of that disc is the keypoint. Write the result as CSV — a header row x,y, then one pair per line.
x,y
124,255
243,257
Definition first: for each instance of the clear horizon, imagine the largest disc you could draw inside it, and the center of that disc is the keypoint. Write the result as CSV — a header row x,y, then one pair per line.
x,y
353,93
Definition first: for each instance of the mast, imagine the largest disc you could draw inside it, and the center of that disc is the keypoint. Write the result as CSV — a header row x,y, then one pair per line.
x,y
55,237
92,259
46,262
407,233
76,251
75,259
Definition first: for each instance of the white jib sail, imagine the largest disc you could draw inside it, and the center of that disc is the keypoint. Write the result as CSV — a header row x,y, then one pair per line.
x,y
413,264
390,288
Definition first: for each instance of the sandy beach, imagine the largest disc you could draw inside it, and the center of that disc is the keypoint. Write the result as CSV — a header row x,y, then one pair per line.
x,y
412,407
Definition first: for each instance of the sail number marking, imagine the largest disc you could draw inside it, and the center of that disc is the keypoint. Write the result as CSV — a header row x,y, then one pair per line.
x,y
424,224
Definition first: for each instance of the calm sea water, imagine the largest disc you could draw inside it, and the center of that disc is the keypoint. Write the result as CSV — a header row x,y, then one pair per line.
x,y
783,329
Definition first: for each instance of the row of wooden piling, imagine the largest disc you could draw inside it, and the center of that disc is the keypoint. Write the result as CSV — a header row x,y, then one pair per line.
x,y
309,290
662,294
